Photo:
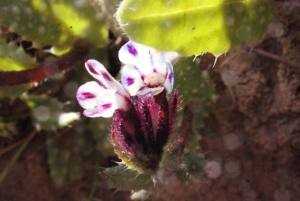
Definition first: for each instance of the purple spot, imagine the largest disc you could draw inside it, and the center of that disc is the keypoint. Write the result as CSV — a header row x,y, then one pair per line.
x,y
142,77
105,76
171,76
142,88
91,69
106,106
132,49
129,81
86,95
154,70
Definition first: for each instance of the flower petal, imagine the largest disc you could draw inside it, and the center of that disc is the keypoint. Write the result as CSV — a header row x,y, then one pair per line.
x,y
98,101
98,71
92,113
145,91
147,71
170,78
87,94
131,80
171,56
108,102
137,55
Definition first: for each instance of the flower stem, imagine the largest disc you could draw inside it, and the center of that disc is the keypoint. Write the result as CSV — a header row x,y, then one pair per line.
x,y
45,70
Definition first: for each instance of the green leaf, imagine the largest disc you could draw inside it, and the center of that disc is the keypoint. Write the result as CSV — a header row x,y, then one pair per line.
x,y
54,22
13,57
194,26
121,177
66,154
192,84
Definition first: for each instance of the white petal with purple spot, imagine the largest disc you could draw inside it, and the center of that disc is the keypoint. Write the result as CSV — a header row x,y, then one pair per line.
x,y
145,91
146,71
108,101
131,80
170,78
101,99
98,71
87,94
137,55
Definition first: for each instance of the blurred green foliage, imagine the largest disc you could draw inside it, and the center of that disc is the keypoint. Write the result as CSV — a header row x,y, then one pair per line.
x,y
56,23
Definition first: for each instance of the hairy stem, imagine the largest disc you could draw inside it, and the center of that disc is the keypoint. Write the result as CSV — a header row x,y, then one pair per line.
x,y
45,70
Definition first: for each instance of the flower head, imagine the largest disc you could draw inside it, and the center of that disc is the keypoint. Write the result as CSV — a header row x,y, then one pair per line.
x,y
143,117
102,98
146,71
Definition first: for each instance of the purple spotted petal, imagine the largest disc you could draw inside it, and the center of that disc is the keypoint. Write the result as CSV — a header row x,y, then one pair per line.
x,y
131,80
146,70
137,55
91,113
98,101
87,94
110,101
170,78
131,49
98,71
145,91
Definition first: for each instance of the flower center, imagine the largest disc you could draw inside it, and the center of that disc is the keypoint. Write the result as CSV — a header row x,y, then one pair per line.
x,y
154,79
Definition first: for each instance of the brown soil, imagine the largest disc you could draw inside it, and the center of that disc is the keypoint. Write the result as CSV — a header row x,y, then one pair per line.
x,y
251,137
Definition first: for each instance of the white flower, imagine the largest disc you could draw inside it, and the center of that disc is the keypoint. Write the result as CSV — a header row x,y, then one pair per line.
x,y
104,97
147,72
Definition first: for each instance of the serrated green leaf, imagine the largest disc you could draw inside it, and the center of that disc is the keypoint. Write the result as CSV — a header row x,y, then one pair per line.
x,y
121,177
14,58
191,83
194,27
54,22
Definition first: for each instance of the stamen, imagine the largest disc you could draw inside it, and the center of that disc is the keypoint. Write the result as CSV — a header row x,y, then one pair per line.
x,y
154,79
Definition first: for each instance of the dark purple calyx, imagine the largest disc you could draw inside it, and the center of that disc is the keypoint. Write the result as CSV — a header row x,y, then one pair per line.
x,y
140,134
